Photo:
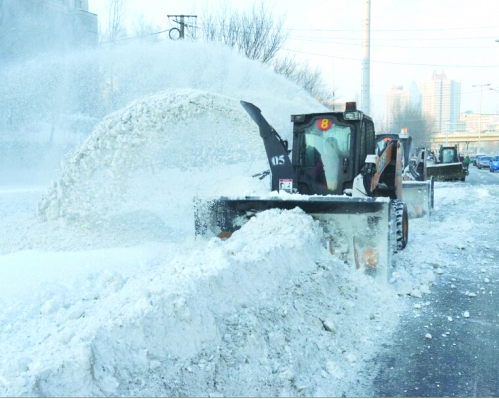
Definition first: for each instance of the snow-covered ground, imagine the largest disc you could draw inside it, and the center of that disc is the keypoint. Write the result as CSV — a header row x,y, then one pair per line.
x,y
269,312
105,291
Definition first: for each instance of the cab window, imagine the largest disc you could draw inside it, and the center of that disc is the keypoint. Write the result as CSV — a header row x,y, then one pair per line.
x,y
326,144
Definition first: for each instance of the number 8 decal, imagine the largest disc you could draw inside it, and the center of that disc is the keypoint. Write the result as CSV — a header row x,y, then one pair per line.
x,y
324,124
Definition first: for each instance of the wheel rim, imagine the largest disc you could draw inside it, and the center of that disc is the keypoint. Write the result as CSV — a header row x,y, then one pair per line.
x,y
224,235
405,228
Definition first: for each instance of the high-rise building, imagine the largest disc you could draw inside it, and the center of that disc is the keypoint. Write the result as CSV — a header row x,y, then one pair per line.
x,y
396,99
441,100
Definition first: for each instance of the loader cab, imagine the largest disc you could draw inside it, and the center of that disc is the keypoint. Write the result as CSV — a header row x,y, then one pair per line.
x,y
405,145
448,155
329,149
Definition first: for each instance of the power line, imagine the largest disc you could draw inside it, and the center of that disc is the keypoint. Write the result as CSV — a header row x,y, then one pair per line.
x,y
393,30
395,63
331,56
409,39
198,25
326,40
383,30
136,37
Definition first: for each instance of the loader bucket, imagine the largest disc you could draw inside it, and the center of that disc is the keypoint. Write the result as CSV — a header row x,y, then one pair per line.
x,y
361,230
446,171
418,197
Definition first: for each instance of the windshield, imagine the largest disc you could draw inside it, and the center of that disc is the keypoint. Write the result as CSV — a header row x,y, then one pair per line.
x,y
485,159
448,156
326,143
382,144
496,158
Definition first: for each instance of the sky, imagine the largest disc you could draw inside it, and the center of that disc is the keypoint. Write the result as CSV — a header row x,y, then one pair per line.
x,y
409,40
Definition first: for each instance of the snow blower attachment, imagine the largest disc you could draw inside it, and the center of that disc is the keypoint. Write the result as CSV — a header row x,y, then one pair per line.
x,y
338,175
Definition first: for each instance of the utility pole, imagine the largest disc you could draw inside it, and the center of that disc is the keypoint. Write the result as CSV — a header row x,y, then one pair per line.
x,y
365,84
181,22
182,26
480,118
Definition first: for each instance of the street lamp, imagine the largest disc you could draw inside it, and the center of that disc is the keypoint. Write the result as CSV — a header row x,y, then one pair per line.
x,y
480,117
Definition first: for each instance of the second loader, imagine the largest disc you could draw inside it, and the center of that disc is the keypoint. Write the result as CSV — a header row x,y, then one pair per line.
x,y
334,173
416,186
447,167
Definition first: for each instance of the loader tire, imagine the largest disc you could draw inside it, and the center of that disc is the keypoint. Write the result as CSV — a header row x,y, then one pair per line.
x,y
401,224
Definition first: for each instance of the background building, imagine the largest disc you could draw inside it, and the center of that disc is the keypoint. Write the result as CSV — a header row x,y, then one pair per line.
x,y
395,99
441,100
29,27
488,121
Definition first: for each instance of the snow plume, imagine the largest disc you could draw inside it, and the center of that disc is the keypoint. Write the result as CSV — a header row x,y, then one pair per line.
x,y
53,89
241,317
179,129
52,103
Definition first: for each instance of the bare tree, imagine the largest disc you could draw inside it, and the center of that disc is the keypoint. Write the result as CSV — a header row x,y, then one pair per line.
x,y
306,76
254,33
258,35
116,20
419,125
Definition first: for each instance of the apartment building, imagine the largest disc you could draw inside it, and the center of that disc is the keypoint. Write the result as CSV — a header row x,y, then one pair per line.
x,y
441,99
488,121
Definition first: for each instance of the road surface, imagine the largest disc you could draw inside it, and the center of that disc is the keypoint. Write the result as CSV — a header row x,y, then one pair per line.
x,y
461,359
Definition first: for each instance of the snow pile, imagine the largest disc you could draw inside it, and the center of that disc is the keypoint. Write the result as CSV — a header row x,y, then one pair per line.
x,y
177,130
269,312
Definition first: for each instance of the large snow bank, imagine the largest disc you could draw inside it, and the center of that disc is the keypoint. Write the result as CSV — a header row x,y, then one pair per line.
x,y
242,317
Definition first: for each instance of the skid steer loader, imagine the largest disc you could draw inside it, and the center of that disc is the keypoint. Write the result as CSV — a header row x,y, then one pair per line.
x,y
447,166
417,187
335,176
